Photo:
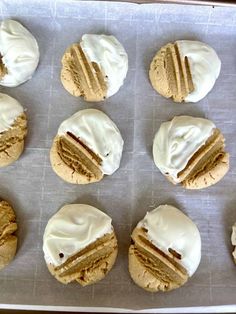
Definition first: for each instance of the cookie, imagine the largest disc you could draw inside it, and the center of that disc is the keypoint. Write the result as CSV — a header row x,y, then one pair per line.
x,y
190,151
19,54
79,244
95,68
165,250
8,241
13,129
87,146
185,70
233,241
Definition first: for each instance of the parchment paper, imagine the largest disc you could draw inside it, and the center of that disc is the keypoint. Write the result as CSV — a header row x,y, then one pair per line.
x,y
37,193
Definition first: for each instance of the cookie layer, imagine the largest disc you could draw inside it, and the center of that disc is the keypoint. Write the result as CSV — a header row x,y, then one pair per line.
x,y
79,244
95,68
13,129
8,241
190,151
208,165
73,162
81,77
166,250
19,54
88,145
185,70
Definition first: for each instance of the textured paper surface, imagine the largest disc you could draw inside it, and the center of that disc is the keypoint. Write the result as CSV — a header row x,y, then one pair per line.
x,y
37,193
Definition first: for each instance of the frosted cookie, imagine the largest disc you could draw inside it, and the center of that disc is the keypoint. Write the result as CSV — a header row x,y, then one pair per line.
x,y
233,241
185,71
165,250
19,54
87,146
79,244
95,68
190,151
13,129
8,241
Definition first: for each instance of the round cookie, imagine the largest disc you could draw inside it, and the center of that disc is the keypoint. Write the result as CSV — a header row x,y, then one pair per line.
x,y
190,151
185,70
19,54
13,129
8,241
79,244
87,146
165,250
233,241
95,68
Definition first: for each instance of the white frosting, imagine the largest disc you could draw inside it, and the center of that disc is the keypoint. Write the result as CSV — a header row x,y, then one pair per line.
x,y
19,51
233,239
176,142
168,228
204,67
96,130
72,229
111,57
10,109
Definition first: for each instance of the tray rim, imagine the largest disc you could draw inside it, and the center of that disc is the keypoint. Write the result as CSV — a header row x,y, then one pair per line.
x,y
230,308
226,3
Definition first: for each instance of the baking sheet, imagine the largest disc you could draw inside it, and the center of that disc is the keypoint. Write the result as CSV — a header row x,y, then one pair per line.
x,y
37,193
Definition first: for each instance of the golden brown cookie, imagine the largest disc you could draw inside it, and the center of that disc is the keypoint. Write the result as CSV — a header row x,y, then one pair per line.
x,y
185,70
191,151
88,145
8,241
165,250
79,244
95,68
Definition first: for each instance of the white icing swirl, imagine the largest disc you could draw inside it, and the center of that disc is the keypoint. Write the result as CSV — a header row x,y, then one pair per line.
x,y
176,142
111,57
72,229
10,109
19,51
96,130
168,228
204,67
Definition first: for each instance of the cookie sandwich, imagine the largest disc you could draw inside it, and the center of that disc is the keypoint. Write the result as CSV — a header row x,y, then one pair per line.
x,y
19,54
94,68
185,71
165,250
79,244
88,145
190,151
